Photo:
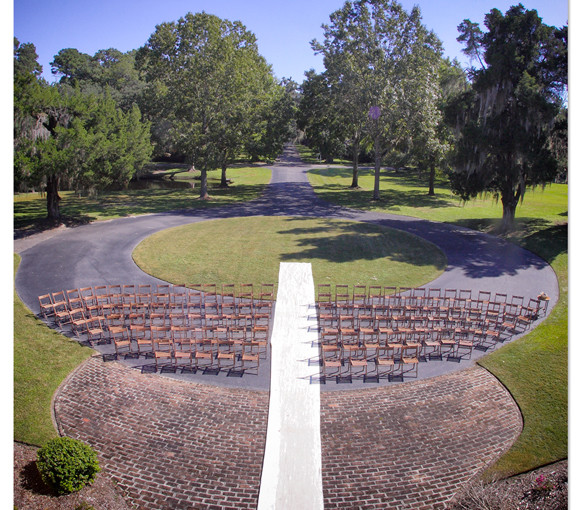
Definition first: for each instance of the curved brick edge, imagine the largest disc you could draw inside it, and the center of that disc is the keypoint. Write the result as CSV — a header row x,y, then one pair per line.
x,y
167,443
414,445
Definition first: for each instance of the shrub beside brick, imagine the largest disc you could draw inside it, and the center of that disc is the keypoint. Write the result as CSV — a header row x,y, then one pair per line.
x,y
67,464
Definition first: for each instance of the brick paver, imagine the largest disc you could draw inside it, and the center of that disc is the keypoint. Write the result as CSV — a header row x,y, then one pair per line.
x,y
172,444
413,446
169,444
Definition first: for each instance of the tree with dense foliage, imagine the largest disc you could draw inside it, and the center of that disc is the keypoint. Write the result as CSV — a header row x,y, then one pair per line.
x,y
70,139
212,85
378,57
108,69
506,123
318,117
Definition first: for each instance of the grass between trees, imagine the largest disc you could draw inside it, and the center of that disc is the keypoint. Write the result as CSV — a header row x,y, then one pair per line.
x,y
534,368
247,183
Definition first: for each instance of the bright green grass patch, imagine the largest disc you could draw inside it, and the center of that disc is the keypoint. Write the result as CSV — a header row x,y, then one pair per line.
x,y
42,360
405,193
249,250
535,371
248,184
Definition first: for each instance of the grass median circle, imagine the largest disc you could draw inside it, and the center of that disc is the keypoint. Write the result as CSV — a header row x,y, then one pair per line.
x,y
250,250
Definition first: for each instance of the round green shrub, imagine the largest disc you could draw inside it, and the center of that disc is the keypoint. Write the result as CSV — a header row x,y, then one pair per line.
x,y
67,464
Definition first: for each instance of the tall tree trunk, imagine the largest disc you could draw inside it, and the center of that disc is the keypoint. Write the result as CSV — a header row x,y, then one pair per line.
x,y
355,150
376,191
509,202
203,195
432,180
52,197
224,181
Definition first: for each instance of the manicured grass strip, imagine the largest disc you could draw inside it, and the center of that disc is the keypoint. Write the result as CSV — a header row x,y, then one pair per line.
x,y
405,193
535,371
249,250
248,184
42,360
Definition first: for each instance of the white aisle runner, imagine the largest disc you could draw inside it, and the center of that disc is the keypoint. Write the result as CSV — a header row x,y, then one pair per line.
x,y
292,469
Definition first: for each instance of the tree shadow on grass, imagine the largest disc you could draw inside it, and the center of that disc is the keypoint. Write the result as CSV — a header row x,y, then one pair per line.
x,y
339,241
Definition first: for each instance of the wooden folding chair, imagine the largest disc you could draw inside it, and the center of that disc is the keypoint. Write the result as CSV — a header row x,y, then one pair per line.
x,y
357,361
341,295
120,338
260,337
94,330
332,362
376,295
205,355
463,344
432,346
46,306
324,293
250,359
410,358
385,362
142,337
183,346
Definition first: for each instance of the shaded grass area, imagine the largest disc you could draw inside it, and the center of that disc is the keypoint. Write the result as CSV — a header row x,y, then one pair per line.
x,y
405,193
42,360
250,250
248,183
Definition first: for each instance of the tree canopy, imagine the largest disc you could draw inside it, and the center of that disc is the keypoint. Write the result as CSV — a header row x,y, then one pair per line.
x,y
507,134
213,87
64,137
382,68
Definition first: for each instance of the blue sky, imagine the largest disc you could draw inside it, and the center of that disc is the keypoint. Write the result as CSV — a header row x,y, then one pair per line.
x,y
284,28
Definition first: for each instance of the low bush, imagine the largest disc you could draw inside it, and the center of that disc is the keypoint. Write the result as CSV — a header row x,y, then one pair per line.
x,y
67,464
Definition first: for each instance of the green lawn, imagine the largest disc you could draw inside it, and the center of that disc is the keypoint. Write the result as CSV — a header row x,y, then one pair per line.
x,y
534,368
42,360
250,250
405,193
248,184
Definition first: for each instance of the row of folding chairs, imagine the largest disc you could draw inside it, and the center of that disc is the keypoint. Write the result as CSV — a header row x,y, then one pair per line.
x,y
364,361
437,343
155,297
508,323
193,349
375,316
76,311
360,295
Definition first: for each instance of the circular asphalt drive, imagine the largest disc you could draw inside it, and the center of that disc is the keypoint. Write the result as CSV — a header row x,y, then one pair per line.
x,y
100,253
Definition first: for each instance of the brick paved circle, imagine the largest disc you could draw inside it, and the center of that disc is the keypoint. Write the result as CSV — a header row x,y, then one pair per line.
x,y
168,444
173,444
413,446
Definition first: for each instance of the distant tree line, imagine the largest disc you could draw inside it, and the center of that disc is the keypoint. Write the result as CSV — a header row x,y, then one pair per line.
x,y
197,91
387,95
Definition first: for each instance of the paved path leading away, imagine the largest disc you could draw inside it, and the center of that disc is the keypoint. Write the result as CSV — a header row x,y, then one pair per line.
x,y
292,471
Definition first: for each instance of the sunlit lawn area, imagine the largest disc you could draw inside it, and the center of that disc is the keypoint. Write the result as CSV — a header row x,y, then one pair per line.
x,y
42,360
250,250
405,193
247,184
